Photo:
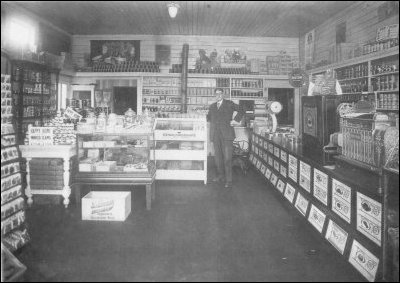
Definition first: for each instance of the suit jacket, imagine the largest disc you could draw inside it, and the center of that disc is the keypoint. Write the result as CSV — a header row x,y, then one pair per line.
x,y
220,119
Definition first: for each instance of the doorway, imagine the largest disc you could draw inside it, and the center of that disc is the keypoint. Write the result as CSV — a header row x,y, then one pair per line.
x,y
286,97
125,97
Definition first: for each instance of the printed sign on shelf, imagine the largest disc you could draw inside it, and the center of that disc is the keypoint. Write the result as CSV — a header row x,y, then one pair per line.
x,y
341,208
336,236
271,148
364,261
316,218
289,192
341,190
258,164
301,204
321,186
280,186
304,183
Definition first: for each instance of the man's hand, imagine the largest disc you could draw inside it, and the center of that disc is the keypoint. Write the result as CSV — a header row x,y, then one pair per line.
x,y
234,123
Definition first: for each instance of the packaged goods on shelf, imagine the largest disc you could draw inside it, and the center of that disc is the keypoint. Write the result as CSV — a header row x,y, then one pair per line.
x,y
10,181
11,194
12,207
12,222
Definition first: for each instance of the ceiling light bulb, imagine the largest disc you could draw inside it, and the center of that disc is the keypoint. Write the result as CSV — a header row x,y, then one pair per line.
x,y
172,9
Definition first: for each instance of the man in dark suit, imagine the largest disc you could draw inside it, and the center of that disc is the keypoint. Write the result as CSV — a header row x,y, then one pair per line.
x,y
222,134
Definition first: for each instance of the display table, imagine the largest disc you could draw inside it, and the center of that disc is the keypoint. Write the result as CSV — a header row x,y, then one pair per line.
x,y
65,152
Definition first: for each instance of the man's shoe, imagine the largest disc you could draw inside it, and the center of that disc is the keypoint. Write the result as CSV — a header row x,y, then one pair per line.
x,y
228,185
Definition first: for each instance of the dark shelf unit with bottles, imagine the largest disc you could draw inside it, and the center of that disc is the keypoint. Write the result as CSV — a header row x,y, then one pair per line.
x,y
34,88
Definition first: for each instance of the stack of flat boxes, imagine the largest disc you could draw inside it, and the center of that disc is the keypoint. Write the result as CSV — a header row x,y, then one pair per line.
x,y
48,173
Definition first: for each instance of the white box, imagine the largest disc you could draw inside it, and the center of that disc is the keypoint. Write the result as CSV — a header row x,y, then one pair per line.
x,y
106,206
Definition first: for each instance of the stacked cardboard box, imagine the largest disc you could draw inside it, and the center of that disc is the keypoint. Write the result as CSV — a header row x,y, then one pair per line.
x,y
47,174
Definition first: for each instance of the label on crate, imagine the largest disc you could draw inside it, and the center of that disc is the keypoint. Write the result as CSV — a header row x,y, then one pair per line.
x,y
321,186
280,186
341,190
336,236
369,227
364,261
341,208
290,192
316,218
293,168
301,204
369,207
268,173
305,176
274,179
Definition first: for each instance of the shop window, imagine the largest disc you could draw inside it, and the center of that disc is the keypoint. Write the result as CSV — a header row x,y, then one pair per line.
x,y
21,35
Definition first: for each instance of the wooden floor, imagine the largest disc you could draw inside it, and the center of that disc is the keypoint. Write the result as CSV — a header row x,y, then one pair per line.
x,y
192,233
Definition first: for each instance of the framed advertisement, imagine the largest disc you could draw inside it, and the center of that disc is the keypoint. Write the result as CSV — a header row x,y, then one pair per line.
x,y
114,51
336,236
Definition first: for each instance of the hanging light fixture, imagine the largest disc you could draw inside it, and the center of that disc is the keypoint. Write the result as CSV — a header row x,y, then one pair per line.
x,y
173,9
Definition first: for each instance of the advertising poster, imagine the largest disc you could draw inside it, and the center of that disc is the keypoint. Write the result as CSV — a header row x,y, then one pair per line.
x,y
290,192
293,168
283,171
341,190
301,204
321,186
268,173
364,261
263,168
283,156
336,236
277,152
274,179
370,227
341,208
316,218
369,207
276,165
305,176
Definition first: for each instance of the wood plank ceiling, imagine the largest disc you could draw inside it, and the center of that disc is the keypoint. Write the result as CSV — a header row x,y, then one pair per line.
x,y
214,18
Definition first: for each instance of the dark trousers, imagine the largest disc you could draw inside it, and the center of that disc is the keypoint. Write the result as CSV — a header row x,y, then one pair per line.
x,y
223,156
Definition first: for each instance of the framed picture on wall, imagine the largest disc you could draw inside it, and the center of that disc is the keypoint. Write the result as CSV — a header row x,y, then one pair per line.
x,y
114,51
163,54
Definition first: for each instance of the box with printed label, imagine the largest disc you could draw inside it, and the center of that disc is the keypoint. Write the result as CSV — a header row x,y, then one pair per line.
x,y
106,206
